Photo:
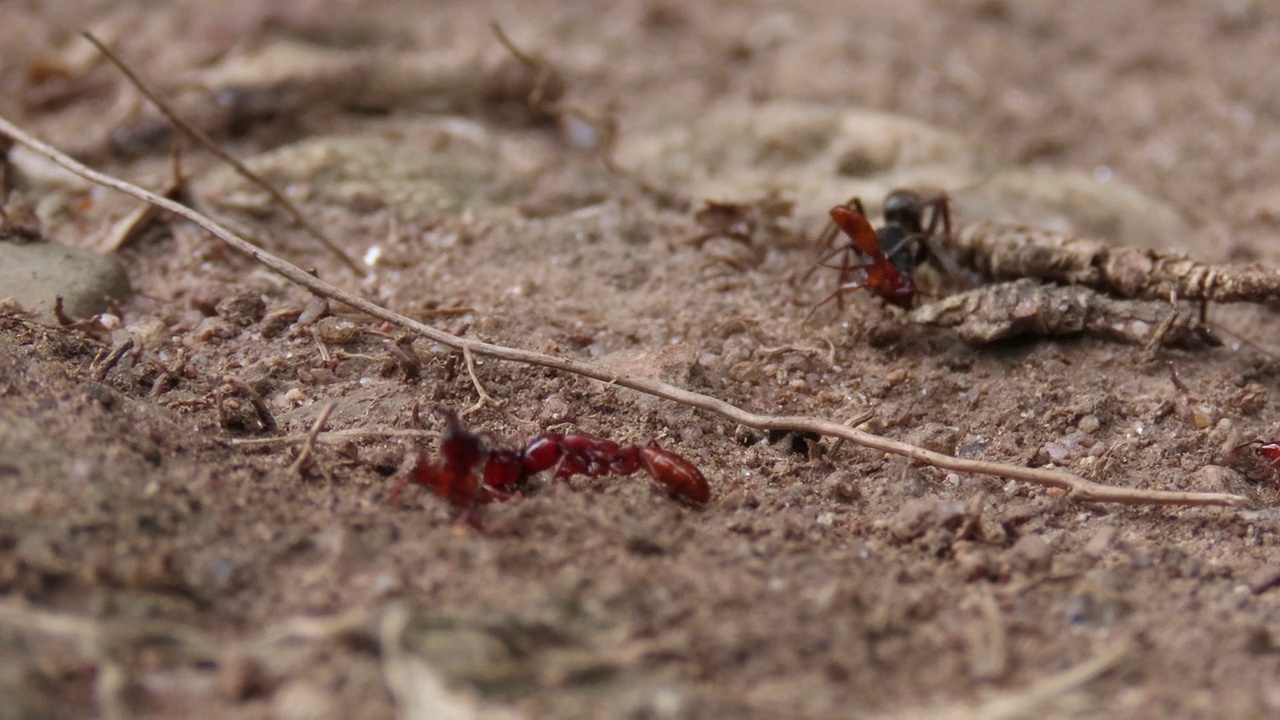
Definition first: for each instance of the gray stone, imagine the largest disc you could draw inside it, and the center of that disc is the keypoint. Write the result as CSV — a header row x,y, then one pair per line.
x,y
35,273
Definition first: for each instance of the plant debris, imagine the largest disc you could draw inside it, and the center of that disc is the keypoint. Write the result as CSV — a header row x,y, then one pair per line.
x,y
1007,252
1027,307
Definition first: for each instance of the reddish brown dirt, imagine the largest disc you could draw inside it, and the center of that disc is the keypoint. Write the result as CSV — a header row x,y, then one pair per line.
x,y
152,562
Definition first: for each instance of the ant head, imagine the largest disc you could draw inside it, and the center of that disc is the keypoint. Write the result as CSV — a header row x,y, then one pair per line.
x,y
905,209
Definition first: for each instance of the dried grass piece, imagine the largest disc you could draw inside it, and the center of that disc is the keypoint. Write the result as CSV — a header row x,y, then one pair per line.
x,y
1006,252
1028,307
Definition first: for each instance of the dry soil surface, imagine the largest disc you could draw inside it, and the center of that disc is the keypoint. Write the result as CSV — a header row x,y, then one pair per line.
x,y
162,555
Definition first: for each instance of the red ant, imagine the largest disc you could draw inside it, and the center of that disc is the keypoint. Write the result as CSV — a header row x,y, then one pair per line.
x,y
1270,450
469,474
893,252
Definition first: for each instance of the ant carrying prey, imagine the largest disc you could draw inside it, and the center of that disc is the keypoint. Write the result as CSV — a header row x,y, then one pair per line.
x,y
884,261
469,474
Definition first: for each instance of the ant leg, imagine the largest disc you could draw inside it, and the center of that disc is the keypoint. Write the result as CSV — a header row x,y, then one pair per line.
x,y
398,490
832,253
851,286
846,270
851,219
828,235
424,473
940,213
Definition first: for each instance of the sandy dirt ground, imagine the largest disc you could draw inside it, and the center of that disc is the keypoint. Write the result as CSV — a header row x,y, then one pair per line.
x,y
162,555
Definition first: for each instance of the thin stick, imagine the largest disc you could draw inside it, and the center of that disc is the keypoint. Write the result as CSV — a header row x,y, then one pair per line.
x,y
60,313
542,70
485,397
255,398
203,138
544,73
100,369
334,436
309,446
1077,488
408,363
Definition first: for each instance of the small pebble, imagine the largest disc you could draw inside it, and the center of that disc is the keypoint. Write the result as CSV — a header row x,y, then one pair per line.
x,y
1263,579
1203,416
1216,478
1031,553
842,486
1100,541
746,372
896,376
241,677
935,436
205,296
242,308
919,514
336,331
912,519
150,333
1056,452
215,328
973,560
1089,424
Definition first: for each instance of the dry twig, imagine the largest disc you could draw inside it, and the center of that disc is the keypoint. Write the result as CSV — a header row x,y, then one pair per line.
x,y
404,358
102,366
309,446
335,436
255,398
1076,487
548,86
60,312
485,398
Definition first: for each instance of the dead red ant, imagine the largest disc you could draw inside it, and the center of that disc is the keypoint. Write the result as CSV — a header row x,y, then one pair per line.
x,y
891,253
469,474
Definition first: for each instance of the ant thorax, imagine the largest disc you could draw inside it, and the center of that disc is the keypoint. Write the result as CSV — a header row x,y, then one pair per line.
x,y
904,248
